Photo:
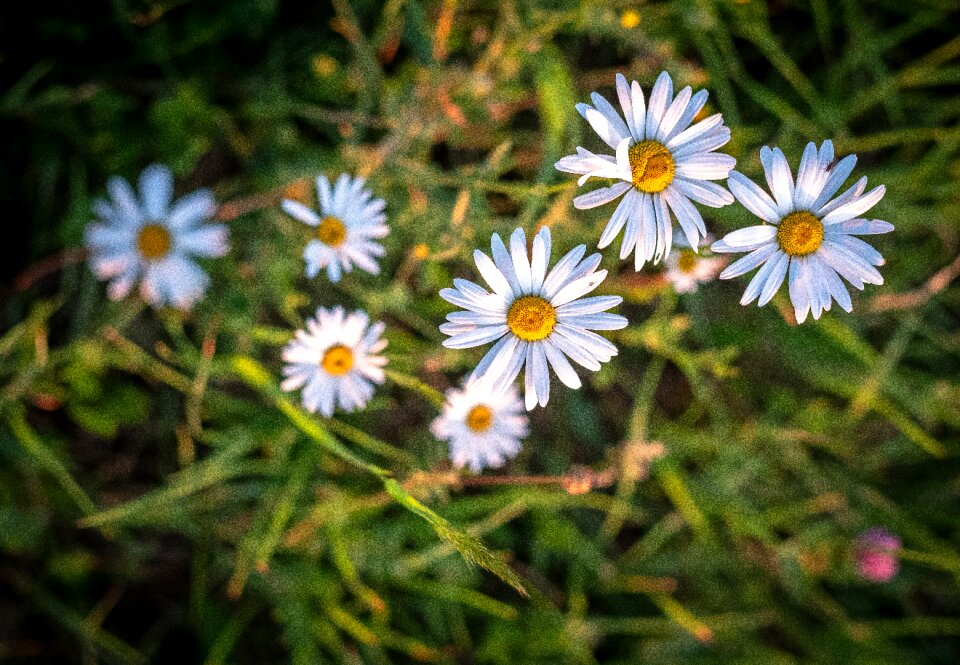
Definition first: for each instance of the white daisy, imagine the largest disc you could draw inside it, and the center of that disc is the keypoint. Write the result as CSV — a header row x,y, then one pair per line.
x,y
808,234
662,164
349,223
483,429
154,239
687,269
538,318
335,361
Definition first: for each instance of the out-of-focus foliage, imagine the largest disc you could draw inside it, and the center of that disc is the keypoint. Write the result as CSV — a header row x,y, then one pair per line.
x,y
161,501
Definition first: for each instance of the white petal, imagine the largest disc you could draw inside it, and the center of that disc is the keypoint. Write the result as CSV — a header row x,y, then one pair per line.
x,y
807,174
540,259
578,287
600,196
639,110
521,262
779,178
124,199
660,97
477,337
837,176
774,277
491,274
750,261
562,270
626,103
704,192
156,191
613,118
503,261
537,365
208,240
749,236
589,305
300,212
192,209
861,227
565,372
673,114
752,197
696,104
856,207
694,131
706,166
619,218
800,287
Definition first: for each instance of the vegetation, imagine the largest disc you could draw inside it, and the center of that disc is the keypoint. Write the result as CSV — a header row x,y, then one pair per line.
x,y
696,501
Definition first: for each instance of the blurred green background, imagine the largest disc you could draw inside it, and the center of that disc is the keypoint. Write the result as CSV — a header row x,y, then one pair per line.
x,y
161,502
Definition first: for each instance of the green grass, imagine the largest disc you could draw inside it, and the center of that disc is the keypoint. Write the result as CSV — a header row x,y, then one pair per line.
x,y
162,501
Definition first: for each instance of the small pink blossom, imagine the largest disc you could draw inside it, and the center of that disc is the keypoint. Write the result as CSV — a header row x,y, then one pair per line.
x,y
876,552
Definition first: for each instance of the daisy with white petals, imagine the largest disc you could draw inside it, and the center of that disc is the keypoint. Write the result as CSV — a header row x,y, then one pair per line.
x,y
537,319
154,239
483,429
810,235
346,229
335,360
662,163
687,269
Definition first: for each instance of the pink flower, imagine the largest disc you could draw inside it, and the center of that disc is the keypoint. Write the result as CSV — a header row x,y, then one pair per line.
x,y
876,552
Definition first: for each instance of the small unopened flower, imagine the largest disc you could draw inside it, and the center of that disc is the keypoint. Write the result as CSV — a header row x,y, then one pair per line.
x,y
808,234
346,229
687,269
537,319
877,555
662,164
335,360
153,239
483,429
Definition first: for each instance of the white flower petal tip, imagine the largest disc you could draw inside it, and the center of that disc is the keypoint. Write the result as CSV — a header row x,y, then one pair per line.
x,y
663,162
482,429
335,361
148,241
538,318
345,230
810,240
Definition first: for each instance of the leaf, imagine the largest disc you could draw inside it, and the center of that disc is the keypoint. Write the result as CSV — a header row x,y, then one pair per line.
x,y
470,548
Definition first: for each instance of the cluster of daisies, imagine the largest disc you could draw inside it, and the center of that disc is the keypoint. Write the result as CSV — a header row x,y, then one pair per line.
x,y
538,315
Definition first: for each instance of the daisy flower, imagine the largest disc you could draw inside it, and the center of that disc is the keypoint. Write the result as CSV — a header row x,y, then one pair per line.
x,y
687,269
809,234
335,361
153,239
346,229
539,319
661,164
483,429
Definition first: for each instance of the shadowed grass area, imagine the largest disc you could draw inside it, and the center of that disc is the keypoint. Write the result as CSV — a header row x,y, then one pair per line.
x,y
696,501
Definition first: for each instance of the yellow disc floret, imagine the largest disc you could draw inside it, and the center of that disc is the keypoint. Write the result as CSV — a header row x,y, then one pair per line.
x,y
687,261
531,318
651,165
800,233
154,241
337,360
480,418
332,231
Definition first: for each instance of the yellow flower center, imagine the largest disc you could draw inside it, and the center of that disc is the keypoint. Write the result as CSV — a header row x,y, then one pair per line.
x,y
800,233
651,165
687,261
153,241
480,418
332,231
337,360
531,318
